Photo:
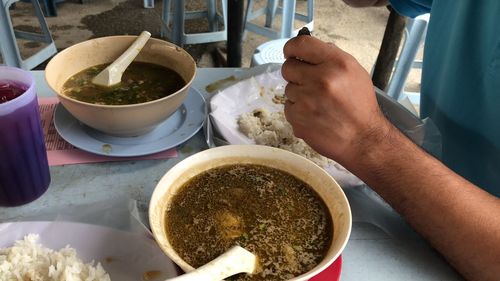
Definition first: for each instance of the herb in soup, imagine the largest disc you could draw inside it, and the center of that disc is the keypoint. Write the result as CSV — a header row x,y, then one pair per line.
x,y
141,82
267,211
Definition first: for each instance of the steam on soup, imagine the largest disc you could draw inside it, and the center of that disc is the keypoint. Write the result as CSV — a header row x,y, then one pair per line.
x,y
265,210
141,82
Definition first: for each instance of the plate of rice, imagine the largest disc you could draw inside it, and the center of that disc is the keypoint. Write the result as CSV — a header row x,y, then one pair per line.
x,y
66,251
251,112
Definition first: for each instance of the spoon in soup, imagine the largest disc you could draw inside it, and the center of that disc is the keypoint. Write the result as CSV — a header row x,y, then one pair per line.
x,y
233,261
112,74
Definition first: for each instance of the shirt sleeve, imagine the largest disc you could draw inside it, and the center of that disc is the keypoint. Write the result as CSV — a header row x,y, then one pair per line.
x,y
411,8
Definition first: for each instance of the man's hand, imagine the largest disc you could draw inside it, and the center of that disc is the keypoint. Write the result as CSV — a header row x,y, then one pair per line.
x,y
332,106
331,100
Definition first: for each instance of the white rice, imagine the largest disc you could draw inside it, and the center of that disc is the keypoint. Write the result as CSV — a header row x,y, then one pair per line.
x,y
272,129
28,260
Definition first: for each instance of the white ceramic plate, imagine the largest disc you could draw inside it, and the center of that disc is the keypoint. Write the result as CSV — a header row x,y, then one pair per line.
x,y
177,129
125,256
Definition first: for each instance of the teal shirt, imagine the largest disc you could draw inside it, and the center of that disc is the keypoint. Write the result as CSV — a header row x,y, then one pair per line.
x,y
461,83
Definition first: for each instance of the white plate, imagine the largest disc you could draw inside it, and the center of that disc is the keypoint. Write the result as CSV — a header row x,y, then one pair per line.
x,y
249,94
178,128
125,256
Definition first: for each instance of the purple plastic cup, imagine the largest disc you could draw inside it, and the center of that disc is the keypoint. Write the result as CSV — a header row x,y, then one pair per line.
x,y
24,169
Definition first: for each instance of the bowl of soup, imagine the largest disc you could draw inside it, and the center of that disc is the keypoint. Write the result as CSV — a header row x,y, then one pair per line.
x,y
278,205
151,89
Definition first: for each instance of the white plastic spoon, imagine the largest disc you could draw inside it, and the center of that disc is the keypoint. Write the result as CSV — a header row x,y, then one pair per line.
x,y
235,260
112,74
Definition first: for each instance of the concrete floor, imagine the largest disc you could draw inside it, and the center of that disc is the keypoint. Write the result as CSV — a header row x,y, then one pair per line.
x,y
357,31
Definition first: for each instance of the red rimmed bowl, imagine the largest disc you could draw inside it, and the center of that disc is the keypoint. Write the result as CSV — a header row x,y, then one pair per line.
x,y
322,183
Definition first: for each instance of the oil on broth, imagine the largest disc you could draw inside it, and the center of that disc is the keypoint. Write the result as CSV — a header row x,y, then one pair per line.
x,y
265,210
141,82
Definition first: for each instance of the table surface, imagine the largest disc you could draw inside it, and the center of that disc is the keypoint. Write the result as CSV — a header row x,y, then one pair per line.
x,y
381,246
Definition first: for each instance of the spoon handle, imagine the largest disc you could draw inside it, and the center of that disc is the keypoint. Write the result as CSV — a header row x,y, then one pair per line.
x,y
125,59
235,260
112,74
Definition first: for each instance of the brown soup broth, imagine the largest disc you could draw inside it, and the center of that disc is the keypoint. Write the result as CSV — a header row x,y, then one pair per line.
x,y
141,82
265,210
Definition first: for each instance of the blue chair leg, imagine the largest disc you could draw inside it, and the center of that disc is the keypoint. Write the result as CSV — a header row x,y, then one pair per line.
x,y
416,32
8,47
272,7
310,10
173,23
248,15
289,15
149,4
288,18
248,12
165,18
178,28
224,14
46,36
212,15
50,8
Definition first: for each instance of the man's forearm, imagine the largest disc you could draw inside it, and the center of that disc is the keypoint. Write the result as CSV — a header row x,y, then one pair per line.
x,y
459,219
366,3
332,106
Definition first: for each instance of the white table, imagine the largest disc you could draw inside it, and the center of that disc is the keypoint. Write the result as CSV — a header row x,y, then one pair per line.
x,y
381,246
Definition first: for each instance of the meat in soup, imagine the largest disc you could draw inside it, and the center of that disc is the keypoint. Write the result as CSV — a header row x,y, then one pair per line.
x,y
267,211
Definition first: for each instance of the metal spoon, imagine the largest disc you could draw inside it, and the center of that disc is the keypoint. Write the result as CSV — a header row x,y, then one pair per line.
x,y
112,74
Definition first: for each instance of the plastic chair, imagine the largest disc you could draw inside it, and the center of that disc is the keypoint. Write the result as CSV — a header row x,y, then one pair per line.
x,y
269,52
8,45
173,23
415,36
289,15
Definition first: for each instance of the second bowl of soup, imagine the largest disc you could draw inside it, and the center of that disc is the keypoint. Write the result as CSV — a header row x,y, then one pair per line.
x,y
280,206
152,88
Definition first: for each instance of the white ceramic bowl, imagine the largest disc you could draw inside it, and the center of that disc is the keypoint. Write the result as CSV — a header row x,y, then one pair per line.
x,y
324,185
120,120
